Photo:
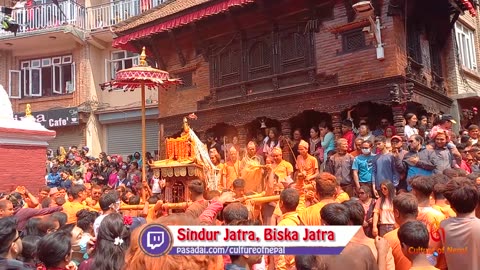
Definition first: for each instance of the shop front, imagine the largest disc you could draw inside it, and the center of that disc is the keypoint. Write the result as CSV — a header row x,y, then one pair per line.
x,y
66,122
123,132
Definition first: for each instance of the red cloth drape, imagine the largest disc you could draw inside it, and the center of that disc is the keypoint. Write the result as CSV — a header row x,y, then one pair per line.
x,y
122,42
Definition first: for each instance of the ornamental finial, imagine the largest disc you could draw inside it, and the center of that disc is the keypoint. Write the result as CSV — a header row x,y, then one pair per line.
x,y
143,58
28,111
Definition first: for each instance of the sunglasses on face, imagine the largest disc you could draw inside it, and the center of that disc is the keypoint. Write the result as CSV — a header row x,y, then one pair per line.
x,y
365,148
361,193
411,141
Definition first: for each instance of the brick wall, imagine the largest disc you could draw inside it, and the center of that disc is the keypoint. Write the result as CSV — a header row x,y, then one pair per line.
x,y
360,65
174,100
22,166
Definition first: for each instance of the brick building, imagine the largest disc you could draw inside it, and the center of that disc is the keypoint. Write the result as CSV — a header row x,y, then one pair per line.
x,y
292,64
464,74
58,58
285,63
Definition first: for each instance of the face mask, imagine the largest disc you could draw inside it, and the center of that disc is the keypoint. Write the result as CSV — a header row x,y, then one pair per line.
x,y
366,151
83,244
124,167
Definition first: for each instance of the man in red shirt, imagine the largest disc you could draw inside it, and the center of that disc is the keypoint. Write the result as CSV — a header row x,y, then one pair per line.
x,y
347,134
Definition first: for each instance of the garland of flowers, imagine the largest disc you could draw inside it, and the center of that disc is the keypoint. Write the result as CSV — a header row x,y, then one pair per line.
x,y
469,114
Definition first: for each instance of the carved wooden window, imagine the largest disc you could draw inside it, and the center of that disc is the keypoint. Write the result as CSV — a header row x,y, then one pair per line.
x,y
293,46
260,59
228,66
414,48
435,59
294,49
353,40
261,56
187,80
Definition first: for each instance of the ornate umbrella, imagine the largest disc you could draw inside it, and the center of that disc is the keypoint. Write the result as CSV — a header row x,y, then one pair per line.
x,y
140,76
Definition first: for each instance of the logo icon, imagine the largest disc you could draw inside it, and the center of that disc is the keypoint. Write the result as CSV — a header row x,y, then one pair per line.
x,y
156,240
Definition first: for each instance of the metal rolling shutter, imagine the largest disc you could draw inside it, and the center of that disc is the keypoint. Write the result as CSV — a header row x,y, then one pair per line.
x,y
67,137
126,138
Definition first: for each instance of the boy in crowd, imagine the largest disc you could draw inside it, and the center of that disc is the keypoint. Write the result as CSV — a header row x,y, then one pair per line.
x,y
414,238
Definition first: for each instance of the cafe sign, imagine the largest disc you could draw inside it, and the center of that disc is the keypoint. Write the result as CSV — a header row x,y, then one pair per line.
x,y
54,118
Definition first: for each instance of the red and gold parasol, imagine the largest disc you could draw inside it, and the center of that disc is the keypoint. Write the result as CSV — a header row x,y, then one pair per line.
x,y
141,76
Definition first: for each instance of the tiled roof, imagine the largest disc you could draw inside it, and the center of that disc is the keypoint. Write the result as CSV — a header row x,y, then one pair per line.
x,y
167,9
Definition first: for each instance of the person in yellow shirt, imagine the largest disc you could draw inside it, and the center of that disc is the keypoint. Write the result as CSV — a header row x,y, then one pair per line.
x,y
281,172
95,193
306,163
289,199
231,170
405,209
422,187
78,194
441,204
341,196
414,237
325,186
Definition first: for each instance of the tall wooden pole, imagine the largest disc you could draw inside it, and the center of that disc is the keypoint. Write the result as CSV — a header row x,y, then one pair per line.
x,y
144,136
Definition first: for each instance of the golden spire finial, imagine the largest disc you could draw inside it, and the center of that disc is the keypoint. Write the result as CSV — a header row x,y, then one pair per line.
x,y
28,111
143,58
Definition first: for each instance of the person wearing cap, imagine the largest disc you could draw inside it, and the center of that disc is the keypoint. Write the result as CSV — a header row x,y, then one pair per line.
x,y
444,123
53,178
53,193
279,178
444,156
78,166
306,163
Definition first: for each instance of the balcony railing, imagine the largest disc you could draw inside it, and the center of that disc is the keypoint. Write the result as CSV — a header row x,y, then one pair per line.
x,y
110,14
49,16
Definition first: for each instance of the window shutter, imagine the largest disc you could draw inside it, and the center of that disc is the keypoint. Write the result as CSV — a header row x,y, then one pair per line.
x,y
14,83
57,71
35,82
70,87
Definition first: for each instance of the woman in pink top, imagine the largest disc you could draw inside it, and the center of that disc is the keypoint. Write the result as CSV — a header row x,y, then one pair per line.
x,y
113,177
383,218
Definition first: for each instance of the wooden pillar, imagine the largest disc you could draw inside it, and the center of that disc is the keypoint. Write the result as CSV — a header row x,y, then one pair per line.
x,y
161,143
287,134
242,135
144,136
398,120
242,140
337,124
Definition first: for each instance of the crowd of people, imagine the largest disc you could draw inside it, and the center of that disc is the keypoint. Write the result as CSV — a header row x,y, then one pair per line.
x,y
417,198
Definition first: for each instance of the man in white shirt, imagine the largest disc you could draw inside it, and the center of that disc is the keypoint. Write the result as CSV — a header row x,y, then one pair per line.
x,y
109,203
